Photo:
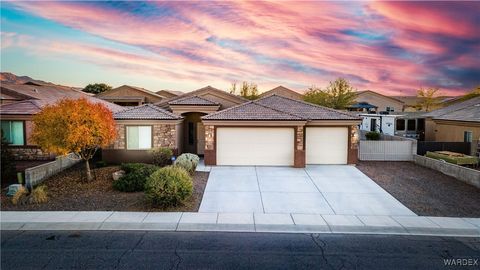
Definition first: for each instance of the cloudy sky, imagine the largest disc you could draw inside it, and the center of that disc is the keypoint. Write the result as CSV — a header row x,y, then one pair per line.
x,y
389,47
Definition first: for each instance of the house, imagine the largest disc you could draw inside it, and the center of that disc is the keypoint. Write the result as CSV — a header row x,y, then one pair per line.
x,y
169,93
381,102
24,101
282,91
127,95
173,122
459,122
229,130
406,124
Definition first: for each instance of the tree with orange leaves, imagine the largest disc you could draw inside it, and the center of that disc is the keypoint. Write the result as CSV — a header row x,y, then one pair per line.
x,y
74,126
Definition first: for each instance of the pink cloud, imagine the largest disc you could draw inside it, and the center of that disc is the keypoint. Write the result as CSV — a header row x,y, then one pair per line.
x,y
377,45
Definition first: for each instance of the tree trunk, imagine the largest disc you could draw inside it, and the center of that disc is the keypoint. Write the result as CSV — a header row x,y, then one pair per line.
x,y
89,173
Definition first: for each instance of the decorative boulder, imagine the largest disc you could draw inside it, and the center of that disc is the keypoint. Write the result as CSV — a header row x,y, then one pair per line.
x,y
12,189
116,175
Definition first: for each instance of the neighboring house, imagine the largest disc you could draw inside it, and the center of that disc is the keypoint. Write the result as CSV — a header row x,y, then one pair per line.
x,y
381,102
362,107
169,93
459,122
411,103
284,92
406,124
26,100
230,130
127,95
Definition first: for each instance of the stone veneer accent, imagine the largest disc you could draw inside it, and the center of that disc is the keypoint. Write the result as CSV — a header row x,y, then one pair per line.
x,y
354,137
299,137
209,137
29,153
164,135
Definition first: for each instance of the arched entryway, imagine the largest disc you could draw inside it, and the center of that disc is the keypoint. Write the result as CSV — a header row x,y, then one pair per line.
x,y
193,133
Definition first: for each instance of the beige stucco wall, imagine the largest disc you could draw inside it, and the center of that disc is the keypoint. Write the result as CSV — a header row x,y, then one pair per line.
x,y
454,131
381,102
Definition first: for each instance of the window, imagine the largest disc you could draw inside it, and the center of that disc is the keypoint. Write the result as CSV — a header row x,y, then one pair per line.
x,y
400,124
139,137
411,124
13,132
467,136
390,109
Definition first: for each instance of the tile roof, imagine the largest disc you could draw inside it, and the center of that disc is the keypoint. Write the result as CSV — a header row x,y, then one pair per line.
x,y
251,111
276,107
38,96
199,92
304,109
282,91
195,100
440,113
23,107
145,112
469,114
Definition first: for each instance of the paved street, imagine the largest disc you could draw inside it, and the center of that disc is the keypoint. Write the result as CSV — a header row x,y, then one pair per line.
x,y
317,189
183,250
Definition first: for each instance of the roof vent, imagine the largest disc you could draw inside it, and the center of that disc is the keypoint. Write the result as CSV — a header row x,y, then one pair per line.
x,y
35,90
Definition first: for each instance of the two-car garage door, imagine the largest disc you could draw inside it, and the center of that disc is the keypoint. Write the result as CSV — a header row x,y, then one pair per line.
x,y
275,146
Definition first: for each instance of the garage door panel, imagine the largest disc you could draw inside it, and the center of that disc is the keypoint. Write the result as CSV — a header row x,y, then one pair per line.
x,y
255,146
326,145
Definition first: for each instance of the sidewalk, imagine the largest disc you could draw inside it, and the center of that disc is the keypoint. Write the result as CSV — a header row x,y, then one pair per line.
x,y
240,222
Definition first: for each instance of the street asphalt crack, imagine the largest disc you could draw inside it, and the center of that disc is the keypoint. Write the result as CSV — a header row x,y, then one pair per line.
x,y
315,239
129,250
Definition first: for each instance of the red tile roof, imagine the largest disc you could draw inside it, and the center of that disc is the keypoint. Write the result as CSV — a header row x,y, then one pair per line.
x,y
38,96
276,107
145,112
195,100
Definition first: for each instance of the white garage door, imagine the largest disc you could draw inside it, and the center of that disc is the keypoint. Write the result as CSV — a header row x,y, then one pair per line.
x,y
255,146
326,145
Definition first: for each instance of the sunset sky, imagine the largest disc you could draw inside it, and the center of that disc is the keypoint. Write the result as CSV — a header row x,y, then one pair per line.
x,y
390,47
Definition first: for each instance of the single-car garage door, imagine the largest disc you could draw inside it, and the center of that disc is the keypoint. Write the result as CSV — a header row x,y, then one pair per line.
x,y
255,146
326,145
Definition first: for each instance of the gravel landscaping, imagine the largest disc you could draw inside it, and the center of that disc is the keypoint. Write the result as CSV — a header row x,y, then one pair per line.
x,y
68,191
426,192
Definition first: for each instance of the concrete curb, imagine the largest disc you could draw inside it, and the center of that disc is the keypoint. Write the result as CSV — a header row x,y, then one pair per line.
x,y
240,222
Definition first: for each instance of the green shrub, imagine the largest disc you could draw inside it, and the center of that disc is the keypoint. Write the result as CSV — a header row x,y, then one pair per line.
x,y
7,162
188,161
168,186
162,156
372,136
135,176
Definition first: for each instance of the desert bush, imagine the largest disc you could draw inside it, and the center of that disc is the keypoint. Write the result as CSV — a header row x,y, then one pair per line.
x,y
20,197
38,195
188,161
162,156
168,186
372,136
135,176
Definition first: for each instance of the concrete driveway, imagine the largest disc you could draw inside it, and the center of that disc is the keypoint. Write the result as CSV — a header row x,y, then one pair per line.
x,y
317,189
